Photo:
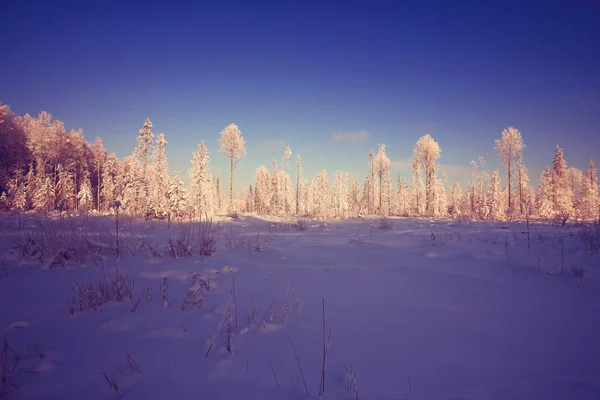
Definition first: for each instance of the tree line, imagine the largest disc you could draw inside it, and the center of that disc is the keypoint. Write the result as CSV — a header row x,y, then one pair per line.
x,y
43,168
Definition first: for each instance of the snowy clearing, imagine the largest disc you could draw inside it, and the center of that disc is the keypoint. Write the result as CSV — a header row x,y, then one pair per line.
x,y
423,310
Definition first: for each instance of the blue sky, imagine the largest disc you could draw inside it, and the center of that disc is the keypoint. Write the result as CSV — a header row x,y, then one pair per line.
x,y
298,74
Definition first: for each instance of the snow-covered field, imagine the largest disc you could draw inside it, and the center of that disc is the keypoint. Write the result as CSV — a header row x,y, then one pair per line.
x,y
425,310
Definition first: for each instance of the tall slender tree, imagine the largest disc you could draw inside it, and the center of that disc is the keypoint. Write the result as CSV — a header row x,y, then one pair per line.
x,y
425,158
232,144
510,148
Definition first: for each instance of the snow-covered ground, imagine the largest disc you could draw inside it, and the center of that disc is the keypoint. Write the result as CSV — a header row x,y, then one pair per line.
x,y
425,310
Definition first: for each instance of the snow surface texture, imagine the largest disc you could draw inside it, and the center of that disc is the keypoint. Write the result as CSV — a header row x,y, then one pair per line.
x,y
424,310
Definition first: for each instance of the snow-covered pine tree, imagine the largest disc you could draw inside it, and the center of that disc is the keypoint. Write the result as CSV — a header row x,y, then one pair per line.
x,y
200,194
143,151
589,208
30,187
109,192
65,189
133,186
562,195
544,196
160,184
262,190
494,200
575,177
387,193
456,200
274,203
44,195
85,195
17,197
321,195
177,196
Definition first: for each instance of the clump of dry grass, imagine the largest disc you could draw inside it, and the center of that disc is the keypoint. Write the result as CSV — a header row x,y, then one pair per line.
x,y
195,238
302,224
98,291
384,223
577,271
10,367
590,235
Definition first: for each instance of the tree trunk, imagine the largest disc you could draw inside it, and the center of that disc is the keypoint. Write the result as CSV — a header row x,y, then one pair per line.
x,y
297,187
98,200
509,181
231,181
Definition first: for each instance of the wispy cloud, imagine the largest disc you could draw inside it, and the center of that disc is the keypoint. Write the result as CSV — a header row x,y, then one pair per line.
x,y
455,170
350,137
401,164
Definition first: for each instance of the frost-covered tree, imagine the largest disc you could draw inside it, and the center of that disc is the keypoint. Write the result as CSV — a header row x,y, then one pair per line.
x,y
31,186
510,148
160,184
218,194
402,199
494,199
109,191
575,177
177,196
417,195
298,177
85,195
99,154
544,195
64,189
440,209
14,153
133,186
287,153
321,195
425,157
589,207
200,194
284,193
562,195
250,200
369,192
232,144
262,190
17,197
456,200
523,188
382,165
339,197
145,142
44,196
353,199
